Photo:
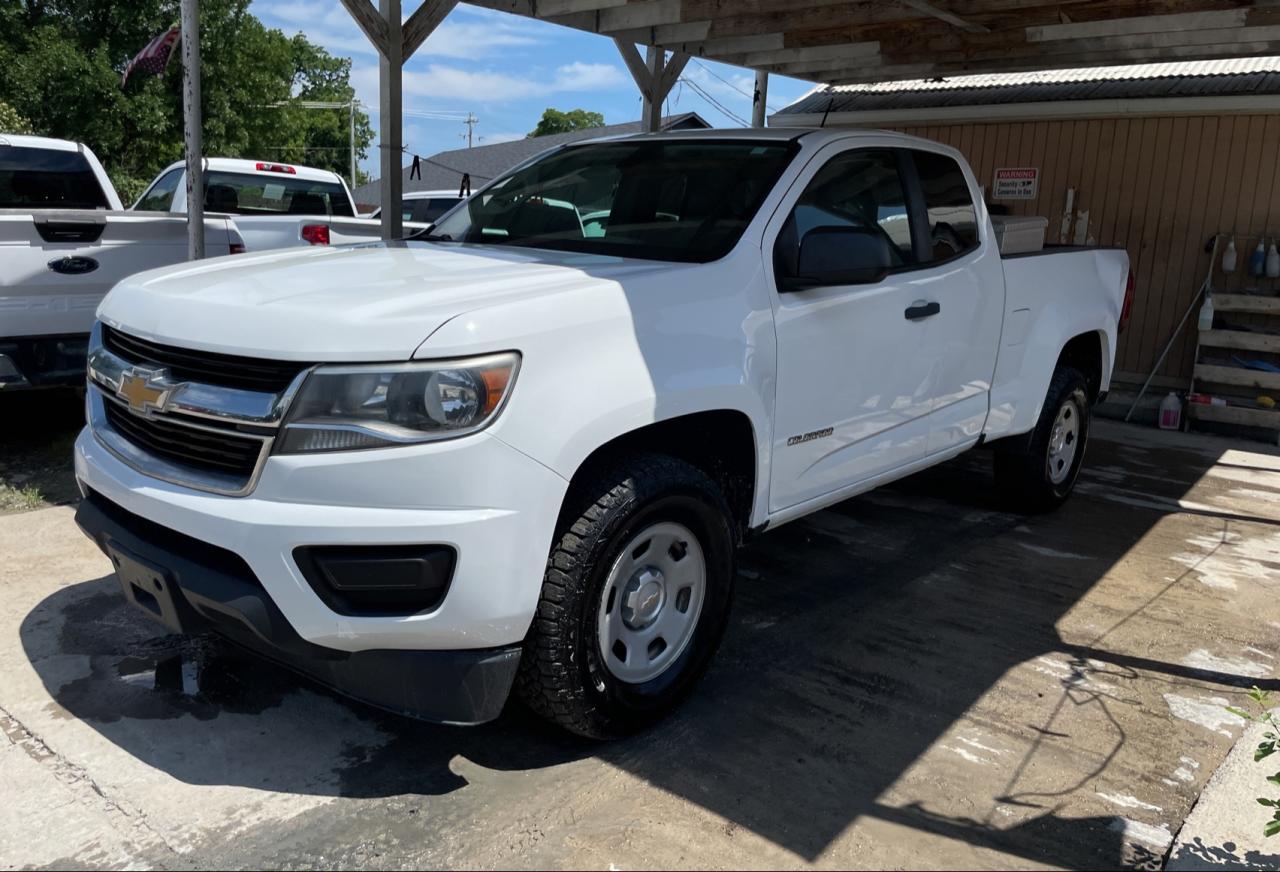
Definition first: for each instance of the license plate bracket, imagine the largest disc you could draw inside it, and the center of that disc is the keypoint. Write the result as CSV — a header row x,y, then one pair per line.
x,y
147,586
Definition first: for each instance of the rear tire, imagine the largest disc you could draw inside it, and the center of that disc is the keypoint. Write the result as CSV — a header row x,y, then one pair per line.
x,y
635,598
1037,472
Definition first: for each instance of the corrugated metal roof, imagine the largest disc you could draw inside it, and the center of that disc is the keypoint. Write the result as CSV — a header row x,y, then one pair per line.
x,y
1138,81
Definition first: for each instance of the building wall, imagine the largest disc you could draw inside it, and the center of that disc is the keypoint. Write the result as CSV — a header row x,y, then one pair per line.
x,y
1160,187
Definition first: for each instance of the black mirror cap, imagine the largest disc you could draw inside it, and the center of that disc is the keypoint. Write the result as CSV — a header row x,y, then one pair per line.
x,y
840,256
378,580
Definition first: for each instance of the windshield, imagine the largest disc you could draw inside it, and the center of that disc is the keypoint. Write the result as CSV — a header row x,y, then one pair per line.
x,y
260,194
48,178
680,200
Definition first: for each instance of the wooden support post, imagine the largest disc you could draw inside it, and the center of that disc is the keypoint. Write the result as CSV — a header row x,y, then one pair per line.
x,y
390,120
655,76
759,101
192,123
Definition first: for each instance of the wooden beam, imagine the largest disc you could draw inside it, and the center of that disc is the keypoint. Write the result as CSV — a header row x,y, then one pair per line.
x,y
423,22
635,65
671,71
373,24
943,15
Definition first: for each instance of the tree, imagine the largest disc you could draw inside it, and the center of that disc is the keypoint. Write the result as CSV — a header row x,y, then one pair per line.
x,y
60,68
11,121
555,121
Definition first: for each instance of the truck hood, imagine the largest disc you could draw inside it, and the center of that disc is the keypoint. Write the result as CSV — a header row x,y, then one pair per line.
x,y
359,303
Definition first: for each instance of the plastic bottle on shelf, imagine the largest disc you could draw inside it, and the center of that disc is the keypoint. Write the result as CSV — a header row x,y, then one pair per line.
x,y
1273,261
1258,262
1171,412
1229,257
1206,313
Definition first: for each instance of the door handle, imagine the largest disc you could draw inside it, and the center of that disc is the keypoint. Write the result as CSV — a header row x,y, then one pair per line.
x,y
920,310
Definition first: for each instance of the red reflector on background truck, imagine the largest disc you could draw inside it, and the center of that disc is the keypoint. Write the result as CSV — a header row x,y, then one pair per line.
x,y
316,234
1127,309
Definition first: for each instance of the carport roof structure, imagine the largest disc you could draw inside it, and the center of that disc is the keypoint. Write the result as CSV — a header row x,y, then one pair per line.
x,y
837,42
846,41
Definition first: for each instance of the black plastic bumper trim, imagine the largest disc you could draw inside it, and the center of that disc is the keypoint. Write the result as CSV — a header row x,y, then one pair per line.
x,y
203,587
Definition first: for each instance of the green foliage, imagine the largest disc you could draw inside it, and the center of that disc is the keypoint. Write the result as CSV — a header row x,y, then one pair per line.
x,y
555,121
1269,745
60,68
11,121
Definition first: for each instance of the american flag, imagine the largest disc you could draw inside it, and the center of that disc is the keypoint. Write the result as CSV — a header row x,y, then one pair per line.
x,y
155,57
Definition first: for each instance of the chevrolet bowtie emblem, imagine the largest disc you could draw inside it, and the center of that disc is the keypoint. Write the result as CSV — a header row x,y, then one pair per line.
x,y
145,390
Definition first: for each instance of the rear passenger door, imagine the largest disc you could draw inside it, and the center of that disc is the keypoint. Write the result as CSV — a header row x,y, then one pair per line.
x,y
963,275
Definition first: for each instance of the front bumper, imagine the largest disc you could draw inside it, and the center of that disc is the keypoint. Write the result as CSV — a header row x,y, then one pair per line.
x,y
493,505
191,586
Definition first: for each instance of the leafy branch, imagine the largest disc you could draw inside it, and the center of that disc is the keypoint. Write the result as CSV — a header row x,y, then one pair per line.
x,y
1270,739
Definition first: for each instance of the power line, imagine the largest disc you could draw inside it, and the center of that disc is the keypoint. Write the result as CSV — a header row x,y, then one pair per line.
x,y
728,113
749,96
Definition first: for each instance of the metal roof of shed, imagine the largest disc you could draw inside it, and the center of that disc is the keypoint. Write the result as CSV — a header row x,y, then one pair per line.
x,y
1252,76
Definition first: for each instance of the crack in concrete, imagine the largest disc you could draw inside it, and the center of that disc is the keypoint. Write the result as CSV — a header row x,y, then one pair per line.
x,y
77,778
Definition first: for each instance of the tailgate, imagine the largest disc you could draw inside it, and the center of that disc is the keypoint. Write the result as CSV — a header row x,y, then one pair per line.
x,y
58,265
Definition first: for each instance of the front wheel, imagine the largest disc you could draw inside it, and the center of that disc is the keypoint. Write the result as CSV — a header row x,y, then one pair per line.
x,y
1038,472
634,600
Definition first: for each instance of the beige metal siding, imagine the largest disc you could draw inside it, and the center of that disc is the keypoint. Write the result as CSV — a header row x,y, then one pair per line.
x,y
1160,187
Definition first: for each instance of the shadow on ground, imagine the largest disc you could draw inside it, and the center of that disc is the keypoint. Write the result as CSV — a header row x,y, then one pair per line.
x,y
860,636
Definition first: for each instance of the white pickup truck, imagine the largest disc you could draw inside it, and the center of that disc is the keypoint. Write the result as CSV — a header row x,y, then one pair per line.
x,y
276,205
519,455
64,241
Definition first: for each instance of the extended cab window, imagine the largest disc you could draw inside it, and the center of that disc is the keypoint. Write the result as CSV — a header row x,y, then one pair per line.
x,y
953,221
250,194
666,199
48,178
160,197
850,224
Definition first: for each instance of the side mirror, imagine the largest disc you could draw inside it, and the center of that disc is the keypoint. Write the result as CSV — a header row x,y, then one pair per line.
x,y
840,256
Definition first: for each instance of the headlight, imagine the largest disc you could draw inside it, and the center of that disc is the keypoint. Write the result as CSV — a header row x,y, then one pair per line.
x,y
341,408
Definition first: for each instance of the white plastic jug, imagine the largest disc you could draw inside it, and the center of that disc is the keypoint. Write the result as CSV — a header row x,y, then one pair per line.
x,y
1171,412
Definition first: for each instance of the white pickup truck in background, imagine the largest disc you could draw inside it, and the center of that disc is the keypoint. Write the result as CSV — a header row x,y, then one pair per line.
x,y
276,205
521,452
64,242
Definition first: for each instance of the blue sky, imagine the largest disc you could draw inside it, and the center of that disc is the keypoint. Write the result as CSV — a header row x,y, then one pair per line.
x,y
506,70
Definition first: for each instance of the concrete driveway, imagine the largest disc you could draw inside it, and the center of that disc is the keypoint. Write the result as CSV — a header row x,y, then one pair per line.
x,y
913,678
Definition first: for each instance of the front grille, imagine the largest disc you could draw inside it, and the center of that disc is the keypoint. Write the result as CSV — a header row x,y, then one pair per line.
x,y
226,453
184,364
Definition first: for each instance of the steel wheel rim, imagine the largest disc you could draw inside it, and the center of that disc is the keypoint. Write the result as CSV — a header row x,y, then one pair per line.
x,y
651,602
1064,442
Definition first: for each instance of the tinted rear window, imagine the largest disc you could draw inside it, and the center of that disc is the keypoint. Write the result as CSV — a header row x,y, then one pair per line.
x,y
45,178
953,222
282,194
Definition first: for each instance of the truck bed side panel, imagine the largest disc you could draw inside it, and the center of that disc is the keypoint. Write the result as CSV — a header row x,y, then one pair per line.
x,y
1051,298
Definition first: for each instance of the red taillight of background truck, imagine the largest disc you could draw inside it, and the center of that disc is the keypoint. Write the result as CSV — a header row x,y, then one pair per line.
x,y
316,234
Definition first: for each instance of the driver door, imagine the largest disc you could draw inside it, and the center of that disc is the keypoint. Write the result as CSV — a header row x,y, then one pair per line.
x,y
853,384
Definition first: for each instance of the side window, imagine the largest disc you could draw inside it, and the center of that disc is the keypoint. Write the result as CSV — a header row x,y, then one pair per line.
x,y
953,221
855,210
160,197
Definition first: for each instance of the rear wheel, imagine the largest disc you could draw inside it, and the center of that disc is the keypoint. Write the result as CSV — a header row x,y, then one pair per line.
x,y
1037,472
635,598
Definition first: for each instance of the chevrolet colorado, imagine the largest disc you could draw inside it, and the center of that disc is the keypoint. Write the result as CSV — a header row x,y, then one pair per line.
x,y
517,455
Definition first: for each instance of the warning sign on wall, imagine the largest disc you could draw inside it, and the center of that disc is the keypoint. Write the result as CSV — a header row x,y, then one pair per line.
x,y
1016,183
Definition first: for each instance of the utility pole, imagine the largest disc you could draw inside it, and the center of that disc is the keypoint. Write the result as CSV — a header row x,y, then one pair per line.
x,y
471,121
761,97
192,120
353,143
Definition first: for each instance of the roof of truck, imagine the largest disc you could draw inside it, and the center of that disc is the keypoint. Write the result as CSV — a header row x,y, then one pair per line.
x,y
250,167
22,141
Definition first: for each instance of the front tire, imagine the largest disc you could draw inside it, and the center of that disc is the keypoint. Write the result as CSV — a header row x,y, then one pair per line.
x,y
635,598
1037,472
